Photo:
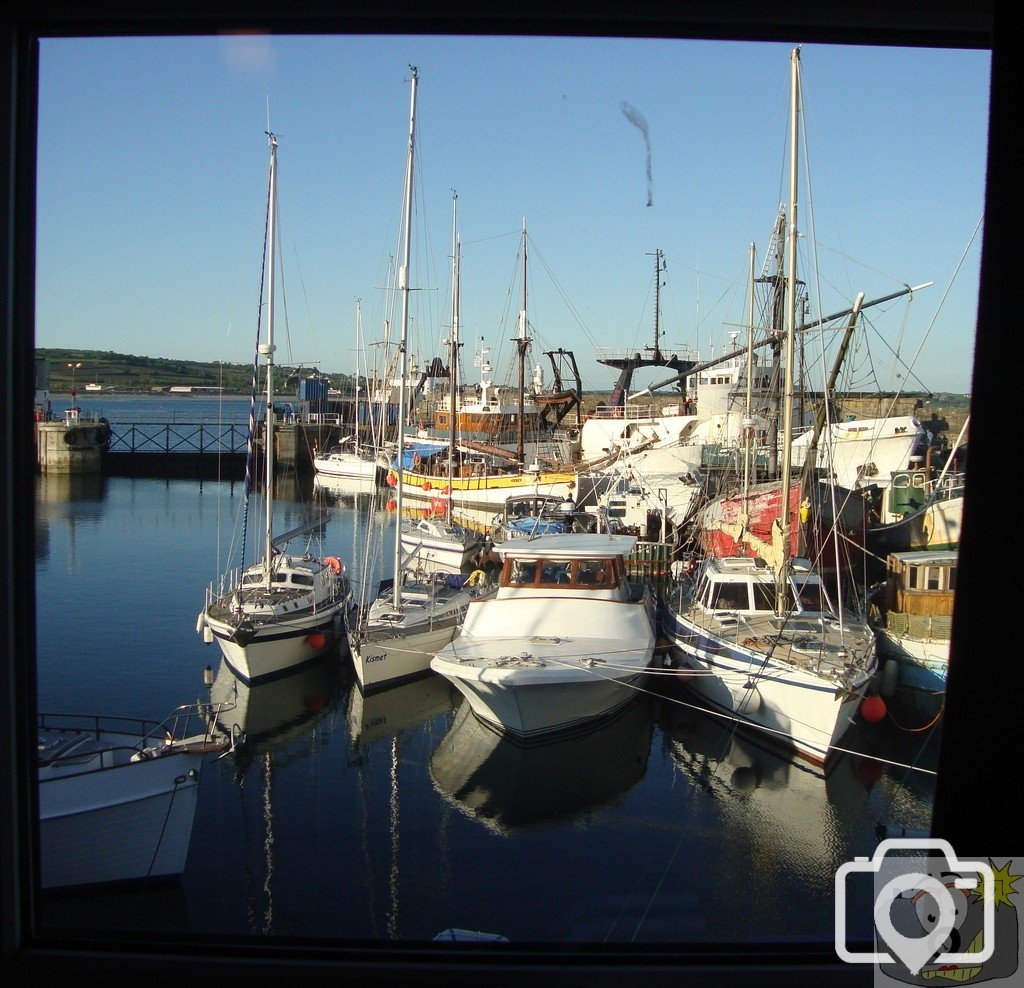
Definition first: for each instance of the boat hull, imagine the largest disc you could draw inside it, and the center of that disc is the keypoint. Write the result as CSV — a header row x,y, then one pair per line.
x,y
269,651
921,666
124,824
793,706
539,709
353,468
486,493
386,656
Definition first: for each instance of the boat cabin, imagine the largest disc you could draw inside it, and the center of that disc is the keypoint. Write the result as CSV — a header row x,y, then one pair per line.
x,y
741,584
574,562
921,582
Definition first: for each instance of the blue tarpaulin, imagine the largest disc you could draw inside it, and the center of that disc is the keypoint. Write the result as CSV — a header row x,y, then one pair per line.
x,y
422,450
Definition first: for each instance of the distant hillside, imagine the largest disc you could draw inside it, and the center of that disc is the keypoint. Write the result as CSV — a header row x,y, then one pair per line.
x,y
129,373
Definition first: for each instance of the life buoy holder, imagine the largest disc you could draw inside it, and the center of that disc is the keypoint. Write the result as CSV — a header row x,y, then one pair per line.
x,y
335,564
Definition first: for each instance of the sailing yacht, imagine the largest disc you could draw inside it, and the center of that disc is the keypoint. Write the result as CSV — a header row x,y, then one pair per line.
x,y
285,609
438,540
758,636
394,636
351,458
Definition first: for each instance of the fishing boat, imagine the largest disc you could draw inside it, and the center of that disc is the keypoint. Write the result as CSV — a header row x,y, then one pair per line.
x,y
117,796
394,636
479,476
285,609
913,621
758,635
565,640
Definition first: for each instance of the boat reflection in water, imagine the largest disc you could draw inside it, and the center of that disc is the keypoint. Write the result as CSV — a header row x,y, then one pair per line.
x,y
509,785
386,714
787,813
270,715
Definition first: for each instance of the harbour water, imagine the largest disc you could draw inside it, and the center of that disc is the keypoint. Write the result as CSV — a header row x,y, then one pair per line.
x,y
398,815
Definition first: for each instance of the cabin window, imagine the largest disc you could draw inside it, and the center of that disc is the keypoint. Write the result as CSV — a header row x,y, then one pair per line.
x,y
812,597
555,572
730,597
932,578
251,578
522,572
597,573
303,579
764,597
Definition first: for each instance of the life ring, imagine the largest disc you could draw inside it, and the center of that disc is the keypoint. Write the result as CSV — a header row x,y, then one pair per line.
x,y
446,489
428,486
392,480
71,437
334,562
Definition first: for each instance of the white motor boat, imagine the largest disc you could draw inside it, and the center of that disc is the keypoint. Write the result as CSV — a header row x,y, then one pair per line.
x,y
117,796
565,640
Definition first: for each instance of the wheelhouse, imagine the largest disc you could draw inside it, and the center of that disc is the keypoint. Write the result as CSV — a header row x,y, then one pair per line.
x,y
748,586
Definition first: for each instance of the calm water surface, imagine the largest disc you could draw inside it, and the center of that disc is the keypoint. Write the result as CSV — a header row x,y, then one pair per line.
x,y
399,815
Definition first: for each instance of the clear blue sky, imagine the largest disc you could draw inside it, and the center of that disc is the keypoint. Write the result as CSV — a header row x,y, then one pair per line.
x,y
152,177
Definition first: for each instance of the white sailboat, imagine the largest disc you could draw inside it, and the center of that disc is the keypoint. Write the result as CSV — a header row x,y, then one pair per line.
x,y
351,458
285,609
394,636
440,541
759,637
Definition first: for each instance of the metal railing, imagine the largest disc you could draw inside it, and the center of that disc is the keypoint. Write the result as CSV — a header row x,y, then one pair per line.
x,y
178,438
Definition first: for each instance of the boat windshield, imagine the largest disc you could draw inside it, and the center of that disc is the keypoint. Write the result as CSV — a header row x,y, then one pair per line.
x,y
591,574
760,595
811,595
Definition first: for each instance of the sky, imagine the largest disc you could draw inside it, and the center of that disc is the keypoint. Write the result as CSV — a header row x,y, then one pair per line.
x,y
152,175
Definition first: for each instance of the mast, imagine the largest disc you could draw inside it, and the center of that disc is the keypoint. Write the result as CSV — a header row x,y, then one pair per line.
x,y
523,343
267,350
791,287
453,359
403,287
658,264
748,422
359,346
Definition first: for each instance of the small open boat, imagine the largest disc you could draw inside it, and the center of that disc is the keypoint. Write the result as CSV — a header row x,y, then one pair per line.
x,y
117,796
